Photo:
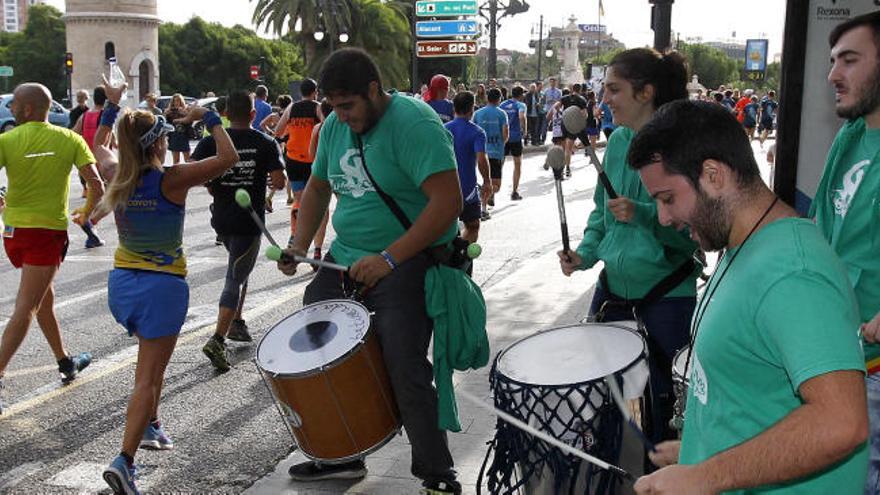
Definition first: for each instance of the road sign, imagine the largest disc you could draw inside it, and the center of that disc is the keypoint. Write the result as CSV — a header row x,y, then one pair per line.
x,y
445,29
255,72
5,71
439,8
446,48
592,28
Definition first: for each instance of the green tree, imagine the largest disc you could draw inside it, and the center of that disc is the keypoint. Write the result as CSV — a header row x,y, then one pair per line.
x,y
381,31
198,57
712,66
37,53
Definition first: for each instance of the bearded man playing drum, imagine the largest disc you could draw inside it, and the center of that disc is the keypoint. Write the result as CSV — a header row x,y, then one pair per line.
x,y
401,143
776,401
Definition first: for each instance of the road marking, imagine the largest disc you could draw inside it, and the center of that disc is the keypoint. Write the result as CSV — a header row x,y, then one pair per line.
x,y
84,476
197,327
28,371
16,474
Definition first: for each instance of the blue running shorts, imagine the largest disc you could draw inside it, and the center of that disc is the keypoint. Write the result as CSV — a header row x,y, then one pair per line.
x,y
150,304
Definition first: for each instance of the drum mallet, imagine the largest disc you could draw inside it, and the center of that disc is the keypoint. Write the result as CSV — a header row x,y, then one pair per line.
x,y
274,252
611,382
545,437
556,161
575,123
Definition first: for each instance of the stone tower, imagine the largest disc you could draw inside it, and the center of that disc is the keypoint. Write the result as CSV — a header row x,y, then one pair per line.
x,y
126,29
571,66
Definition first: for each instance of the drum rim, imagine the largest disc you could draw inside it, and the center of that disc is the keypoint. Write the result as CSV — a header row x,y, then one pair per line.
x,y
676,375
356,456
332,364
499,374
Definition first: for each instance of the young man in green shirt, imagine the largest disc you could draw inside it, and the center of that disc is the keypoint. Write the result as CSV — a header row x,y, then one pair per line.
x,y
847,203
776,402
403,144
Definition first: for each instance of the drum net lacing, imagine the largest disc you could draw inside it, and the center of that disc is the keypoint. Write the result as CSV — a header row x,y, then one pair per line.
x,y
581,415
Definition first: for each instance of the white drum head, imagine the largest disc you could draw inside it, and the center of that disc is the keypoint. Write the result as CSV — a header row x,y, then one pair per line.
x,y
313,337
680,361
572,354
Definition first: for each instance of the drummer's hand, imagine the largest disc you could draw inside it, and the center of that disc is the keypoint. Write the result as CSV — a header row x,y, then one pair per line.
x,y
871,330
666,453
569,261
678,479
622,208
193,113
113,93
369,270
286,264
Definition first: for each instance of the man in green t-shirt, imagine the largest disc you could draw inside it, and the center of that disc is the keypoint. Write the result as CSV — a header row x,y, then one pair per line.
x,y
378,141
847,203
38,158
776,402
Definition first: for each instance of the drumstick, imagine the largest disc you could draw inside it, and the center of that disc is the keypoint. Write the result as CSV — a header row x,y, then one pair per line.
x,y
545,437
575,122
556,161
627,416
274,252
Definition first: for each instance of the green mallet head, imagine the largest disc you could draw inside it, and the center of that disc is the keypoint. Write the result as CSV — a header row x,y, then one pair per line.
x,y
273,252
242,198
474,251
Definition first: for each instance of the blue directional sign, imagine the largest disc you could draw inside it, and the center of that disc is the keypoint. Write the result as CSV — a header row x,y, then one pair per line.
x,y
444,29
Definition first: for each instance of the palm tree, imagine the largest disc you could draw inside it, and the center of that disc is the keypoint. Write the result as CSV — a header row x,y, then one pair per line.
x,y
303,18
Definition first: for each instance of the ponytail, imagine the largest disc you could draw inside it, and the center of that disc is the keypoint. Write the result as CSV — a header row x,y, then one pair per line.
x,y
667,73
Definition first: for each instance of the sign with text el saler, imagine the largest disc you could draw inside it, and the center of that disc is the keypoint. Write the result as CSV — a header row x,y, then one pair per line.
x,y
439,8
444,29
446,48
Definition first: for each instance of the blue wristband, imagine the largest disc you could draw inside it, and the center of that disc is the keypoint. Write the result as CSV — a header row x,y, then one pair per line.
x,y
389,259
211,119
108,116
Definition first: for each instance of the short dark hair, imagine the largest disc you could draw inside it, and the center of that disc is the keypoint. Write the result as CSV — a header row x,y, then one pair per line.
x,y
99,96
517,91
261,92
283,101
667,73
576,88
463,102
308,87
326,108
239,105
871,20
349,71
683,134
494,95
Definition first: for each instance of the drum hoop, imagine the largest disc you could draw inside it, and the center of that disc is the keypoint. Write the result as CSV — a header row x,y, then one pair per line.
x,y
499,374
332,364
675,360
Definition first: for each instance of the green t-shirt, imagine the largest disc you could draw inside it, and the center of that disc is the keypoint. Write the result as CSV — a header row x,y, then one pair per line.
x,y
38,157
782,314
849,177
406,146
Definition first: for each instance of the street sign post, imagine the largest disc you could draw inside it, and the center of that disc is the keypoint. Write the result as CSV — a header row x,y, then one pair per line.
x,y
446,48
445,29
441,8
6,71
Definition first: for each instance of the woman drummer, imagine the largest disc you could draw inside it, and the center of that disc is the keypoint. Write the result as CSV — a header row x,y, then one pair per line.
x,y
648,271
147,289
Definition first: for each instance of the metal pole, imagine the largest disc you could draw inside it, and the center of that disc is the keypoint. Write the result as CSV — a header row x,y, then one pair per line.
x,y
69,88
415,59
540,43
661,23
491,67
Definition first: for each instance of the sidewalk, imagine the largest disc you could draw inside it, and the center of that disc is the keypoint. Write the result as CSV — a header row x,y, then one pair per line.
x,y
535,297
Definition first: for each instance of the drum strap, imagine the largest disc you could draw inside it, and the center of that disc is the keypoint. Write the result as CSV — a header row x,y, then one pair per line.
x,y
659,290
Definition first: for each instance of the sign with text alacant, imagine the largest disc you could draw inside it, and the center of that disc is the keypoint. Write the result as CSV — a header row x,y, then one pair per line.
x,y
445,29
440,8
446,48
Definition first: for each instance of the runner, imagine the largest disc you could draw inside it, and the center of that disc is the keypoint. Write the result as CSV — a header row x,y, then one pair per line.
x,y
469,141
493,121
516,120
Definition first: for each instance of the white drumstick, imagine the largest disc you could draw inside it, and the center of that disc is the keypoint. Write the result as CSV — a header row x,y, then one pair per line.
x,y
545,437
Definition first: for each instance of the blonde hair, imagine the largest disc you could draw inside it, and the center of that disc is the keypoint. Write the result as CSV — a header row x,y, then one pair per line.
x,y
175,98
133,160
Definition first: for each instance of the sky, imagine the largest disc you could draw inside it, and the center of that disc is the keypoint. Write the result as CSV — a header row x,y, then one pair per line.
x,y
627,20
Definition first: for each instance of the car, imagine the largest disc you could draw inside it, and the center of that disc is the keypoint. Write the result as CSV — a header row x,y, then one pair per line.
x,y
58,115
163,101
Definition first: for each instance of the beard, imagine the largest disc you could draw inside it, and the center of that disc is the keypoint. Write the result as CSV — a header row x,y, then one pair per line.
x,y
868,101
711,222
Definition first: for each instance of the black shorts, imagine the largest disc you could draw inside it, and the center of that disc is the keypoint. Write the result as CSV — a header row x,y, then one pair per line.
x,y
495,168
298,173
558,141
470,212
766,125
513,148
567,134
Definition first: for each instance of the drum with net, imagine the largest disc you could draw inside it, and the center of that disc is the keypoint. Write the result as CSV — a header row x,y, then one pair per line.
x,y
680,386
327,376
554,381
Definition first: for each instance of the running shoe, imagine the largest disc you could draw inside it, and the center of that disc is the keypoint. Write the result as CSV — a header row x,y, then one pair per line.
x,y
515,196
71,365
155,438
120,476
94,241
216,352
484,215
441,487
491,201
568,171
311,471
238,331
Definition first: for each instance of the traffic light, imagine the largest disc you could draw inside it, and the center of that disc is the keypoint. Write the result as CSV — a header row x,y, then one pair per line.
x,y
517,7
68,63
255,72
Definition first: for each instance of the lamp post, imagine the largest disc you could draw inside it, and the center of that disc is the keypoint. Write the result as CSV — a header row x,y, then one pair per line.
x,y
540,45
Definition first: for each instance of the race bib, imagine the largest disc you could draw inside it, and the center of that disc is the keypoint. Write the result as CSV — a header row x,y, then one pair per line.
x,y
8,232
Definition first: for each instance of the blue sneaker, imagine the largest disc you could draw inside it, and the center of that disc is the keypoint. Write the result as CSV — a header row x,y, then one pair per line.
x,y
156,439
70,366
121,477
